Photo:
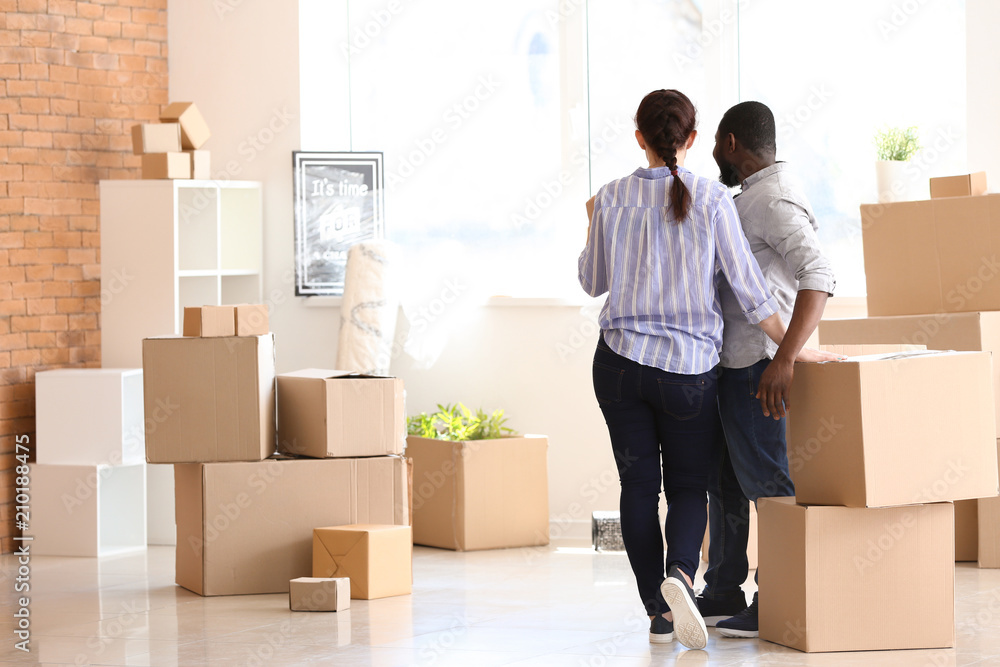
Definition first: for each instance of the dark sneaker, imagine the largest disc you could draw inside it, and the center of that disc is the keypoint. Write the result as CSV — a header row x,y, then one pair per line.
x,y
713,610
661,631
743,624
688,623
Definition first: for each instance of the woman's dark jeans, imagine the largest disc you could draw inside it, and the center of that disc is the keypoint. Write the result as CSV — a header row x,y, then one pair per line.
x,y
663,427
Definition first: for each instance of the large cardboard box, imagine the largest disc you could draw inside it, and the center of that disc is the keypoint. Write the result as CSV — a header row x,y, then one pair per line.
x,y
957,331
246,528
869,432
988,538
842,579
208,399
194,129
166,165
966,185
483,494
932,256
966,530
325,413
376,558
156,138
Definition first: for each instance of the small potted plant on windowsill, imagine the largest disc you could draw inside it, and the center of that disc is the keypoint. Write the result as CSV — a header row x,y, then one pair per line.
x,y
895,147
476,483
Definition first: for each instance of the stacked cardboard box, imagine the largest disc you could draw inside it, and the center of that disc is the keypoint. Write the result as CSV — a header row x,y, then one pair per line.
x,y
931,282
245,513
881,445
173,148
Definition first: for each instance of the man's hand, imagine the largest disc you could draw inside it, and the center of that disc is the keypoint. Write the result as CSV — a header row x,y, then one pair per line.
x,y
772,392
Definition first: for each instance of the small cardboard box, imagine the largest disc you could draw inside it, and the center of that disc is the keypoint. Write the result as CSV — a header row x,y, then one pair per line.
x,y
966,530
316,594
201,164
751,540
840,579
966,185
210,321
246,528
251,319
156,138
325,413
971,332
165,165
377,558
208,399
483,494
988,537
932,256
868,432
194,129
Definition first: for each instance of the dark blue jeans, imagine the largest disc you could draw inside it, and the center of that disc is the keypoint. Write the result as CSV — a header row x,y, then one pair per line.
x,y
662,426
749,462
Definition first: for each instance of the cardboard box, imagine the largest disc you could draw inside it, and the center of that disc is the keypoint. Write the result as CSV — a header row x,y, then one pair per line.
x,y
89,416
208,399
251,319
316,594
210,321
932,256
751,541
156,138
377,558
841,579
194,129
988,537
201,164
966,530
324,413
484,494
966,185
87,510
246,528
166,165
865,350
869,432
972,332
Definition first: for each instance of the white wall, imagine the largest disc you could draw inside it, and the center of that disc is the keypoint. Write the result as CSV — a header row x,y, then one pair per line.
x,y
982,73
242,68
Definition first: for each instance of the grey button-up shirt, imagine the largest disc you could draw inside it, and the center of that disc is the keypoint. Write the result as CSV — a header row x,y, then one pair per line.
x,y
781,228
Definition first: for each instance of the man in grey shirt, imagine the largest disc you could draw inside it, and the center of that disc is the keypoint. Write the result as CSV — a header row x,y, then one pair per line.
x,y
755,374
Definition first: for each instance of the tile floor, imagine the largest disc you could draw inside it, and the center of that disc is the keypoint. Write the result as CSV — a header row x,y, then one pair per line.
x,y
549,607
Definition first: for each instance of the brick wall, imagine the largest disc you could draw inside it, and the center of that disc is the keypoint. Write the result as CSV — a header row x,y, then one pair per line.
x,y
76,77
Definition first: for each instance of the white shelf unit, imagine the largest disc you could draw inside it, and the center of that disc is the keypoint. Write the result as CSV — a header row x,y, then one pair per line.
x,y
166,245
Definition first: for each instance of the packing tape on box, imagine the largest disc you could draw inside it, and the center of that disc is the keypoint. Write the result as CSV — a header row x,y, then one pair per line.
x,y
368,310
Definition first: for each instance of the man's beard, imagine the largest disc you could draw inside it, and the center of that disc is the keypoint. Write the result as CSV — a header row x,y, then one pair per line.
x,y
728,175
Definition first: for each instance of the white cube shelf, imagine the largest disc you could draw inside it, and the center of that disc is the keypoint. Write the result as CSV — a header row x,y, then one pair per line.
x,y
87,510
161,527
90,416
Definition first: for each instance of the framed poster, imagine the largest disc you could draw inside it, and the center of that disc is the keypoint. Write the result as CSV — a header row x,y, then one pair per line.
x,y
339,201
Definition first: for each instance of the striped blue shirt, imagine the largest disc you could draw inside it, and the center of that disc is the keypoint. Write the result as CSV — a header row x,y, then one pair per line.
x,y
663,306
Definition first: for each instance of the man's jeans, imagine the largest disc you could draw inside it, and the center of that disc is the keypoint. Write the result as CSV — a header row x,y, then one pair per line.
x,y
750,462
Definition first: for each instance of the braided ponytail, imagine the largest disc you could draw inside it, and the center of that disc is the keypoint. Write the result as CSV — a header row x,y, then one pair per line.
x,y
666,118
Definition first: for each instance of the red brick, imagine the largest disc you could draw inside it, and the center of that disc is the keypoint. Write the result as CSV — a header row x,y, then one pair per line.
x,y
38,272
107,28
78,26
11,239
54,323
57,288
89,10
35,71
50,56
136,30
35,38
64,7
22,21
93,44
35,105
66,42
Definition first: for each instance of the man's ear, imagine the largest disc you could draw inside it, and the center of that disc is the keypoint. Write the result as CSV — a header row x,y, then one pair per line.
x,y
730,143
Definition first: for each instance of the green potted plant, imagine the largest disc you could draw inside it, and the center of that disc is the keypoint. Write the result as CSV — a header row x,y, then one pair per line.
x,y
477,484
895,146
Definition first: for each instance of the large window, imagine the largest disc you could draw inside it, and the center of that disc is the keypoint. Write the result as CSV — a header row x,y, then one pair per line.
x,y
498,120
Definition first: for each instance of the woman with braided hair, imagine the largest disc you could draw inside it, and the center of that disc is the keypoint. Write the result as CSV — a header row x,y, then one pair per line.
x,y
657,239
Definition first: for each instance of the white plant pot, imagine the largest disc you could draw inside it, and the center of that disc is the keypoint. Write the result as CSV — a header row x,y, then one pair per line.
x,y
893,182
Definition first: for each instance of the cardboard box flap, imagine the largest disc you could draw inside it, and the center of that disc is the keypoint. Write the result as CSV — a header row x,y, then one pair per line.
x,y
346,551
327,374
